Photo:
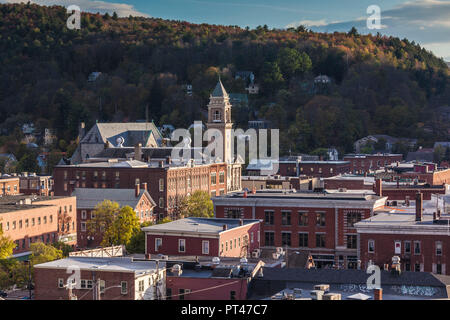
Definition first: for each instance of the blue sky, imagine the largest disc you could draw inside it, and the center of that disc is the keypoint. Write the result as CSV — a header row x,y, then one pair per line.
x,y
424,21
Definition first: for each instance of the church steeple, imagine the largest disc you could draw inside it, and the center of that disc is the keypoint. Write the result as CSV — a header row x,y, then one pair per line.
x,y
219,117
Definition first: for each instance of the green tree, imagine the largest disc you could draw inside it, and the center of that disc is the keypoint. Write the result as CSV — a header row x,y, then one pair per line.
x,y
198,204
272,78
6,246
41,252
115,225
137,241
292,62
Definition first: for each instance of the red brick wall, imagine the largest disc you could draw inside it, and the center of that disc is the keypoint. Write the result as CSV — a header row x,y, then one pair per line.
x,y
323,169
12,184
170,245
151,176
195,284
245,233
48,229
384,250
355,184
46,285
362,165
402,193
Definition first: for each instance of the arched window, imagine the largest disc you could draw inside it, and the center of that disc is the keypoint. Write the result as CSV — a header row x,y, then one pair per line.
x,y
217,115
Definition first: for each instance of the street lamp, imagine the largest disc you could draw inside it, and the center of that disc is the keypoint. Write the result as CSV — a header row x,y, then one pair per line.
x,y
28,262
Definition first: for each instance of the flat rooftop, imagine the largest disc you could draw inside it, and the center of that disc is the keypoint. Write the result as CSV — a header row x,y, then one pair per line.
x,y
198,225
400,217
119,264
24,202
304,195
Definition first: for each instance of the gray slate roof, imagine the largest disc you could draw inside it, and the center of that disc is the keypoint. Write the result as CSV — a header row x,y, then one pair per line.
x,y
202,225
219,90
88,198
120,264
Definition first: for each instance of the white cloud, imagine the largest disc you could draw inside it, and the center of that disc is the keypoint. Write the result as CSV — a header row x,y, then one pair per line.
x,y
308,23
122,9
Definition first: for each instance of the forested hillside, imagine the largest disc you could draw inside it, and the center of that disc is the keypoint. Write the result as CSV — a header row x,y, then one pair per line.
x,y
380,84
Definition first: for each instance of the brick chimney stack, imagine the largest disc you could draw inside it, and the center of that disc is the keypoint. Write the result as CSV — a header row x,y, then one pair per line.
x,y
379,187
241,222
225,227
419,206
144,186
138,152
137,190
378,294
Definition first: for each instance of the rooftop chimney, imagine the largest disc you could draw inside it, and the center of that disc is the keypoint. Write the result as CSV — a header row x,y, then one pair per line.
x,y
138,152
245,194
419,209
137,190
241,222
82,130
225,227
169,160
378,294
144,186
379,187
161,164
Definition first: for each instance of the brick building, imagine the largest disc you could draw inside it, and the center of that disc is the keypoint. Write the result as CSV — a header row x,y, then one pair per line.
x,y
323,168
349,182
227,279
362,163
9,186
167,182
320,223
28,219
112,278
34,184
204,237
418,235
87,199
406,192
279,182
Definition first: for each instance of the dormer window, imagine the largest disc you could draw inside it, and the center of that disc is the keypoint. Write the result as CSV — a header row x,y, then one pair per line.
x,y
217,115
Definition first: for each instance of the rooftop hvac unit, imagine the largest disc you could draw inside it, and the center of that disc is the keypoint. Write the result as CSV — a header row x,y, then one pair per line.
x,y
322,287
164,257
342,189
176,269
243,261
332,296
255,254
275,255
317,294
216,260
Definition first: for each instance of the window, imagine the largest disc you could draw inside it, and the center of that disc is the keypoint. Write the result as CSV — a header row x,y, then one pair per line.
x,y
205,247
303,240
141,286
83,226
181,245
102,286
32,222
60,283
217,115
439,268
417,267
213,178
371,246
51,218
416,247
20,224
26,223
320,240
123,287
286,239
222,177
232,295
83,214
39,220
181,294
83,284
92,215
158,244
407,247
269,218
168,293
303,218
320,219
161,185
351,241
286,218
438,248
45,219
161,202
352,218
